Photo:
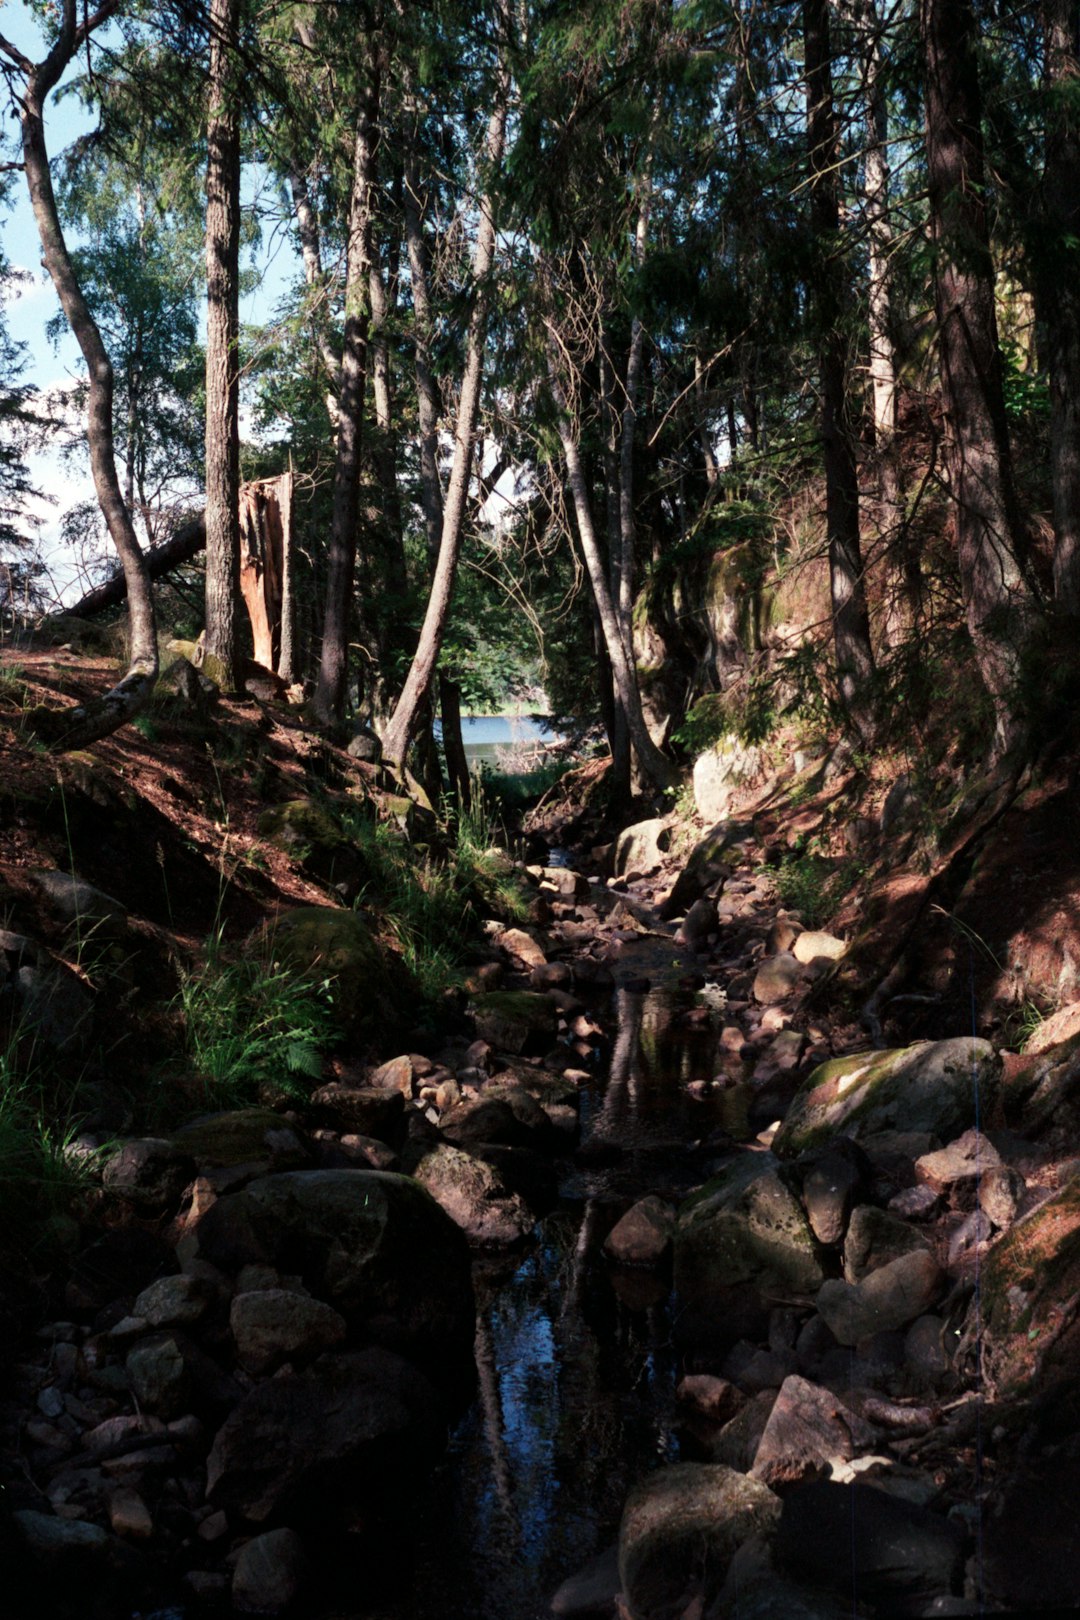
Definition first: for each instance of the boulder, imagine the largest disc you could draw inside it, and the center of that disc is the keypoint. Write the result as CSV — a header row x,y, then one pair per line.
x,y
520,948
373,1244
242,1136
720,773
475,1196
700,921
808,1430
929,1087
777,978
640,849
745,1226
174,1302
51,1001
815,946
368,1416
312,838
396,1074
148,1172
372,991
269,1573
1000,1192
875,1238
485,1119
361,1110
590,1593
900,1558
274,1325
680,1529
956,1170
644,1235
515,1020
888,1298
80,905
833,1180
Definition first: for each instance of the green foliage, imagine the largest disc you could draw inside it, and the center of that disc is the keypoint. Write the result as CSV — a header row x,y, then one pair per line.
x,y
249,1026
1027,392
41,1178
511,793
14,692
814,884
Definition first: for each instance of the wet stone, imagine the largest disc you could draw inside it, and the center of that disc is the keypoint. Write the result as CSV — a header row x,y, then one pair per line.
x,y
643,1237
1000,1192
269,1573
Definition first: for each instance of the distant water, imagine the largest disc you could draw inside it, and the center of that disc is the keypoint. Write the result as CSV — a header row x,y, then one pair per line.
x,y
486,734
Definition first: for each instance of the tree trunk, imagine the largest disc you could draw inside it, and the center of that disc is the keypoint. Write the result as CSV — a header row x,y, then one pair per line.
x,y
1058,286
402,724
851,622
651,761
221,659
618,732
996,596
87,723
329,702
307,229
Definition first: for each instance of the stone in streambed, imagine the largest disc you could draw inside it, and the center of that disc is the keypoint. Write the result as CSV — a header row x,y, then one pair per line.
x,y
515,1020
590,1594
644,1235
274,1325
956,1170
875,1238
269,1573
777,978
680,1529
520,948
475,1196
369,1416
928,1087
815,946
888,1298
243,1136
833,1180
808,1429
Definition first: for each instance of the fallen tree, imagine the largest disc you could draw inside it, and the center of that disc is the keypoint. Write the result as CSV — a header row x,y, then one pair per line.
x,y
187,541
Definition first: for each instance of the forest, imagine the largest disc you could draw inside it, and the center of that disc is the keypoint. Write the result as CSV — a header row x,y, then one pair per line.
x,y
634,1177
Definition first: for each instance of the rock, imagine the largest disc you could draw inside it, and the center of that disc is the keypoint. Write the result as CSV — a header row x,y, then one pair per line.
x,y
61,1544
273,1325
365,746
680,1529
173,1302
374,1245
242,1136
833,1179
551,976
360,1110
269,1572
640,849
369,1151
485,1119
372,992
515,1020
719,774
915,1203
737,1443
397,1074
312,838
777,978
590,1593
159,1374
928,1087
744,1226
50,1000
713,1397
1060,1029
122,1261
700,921
925,1352
886,1299
475,1196
754,1590
129,1515
899,1559
80,905
875,1238
1000,1192
148,1172
369,1416
520,948
808,1429
644,1235
815,946
973,1232
956,1170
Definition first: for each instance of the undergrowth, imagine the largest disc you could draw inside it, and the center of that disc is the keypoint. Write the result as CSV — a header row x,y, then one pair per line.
x,y
41,1179
814,885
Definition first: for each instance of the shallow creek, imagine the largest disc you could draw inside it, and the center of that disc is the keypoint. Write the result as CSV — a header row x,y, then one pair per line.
x,y
576,1362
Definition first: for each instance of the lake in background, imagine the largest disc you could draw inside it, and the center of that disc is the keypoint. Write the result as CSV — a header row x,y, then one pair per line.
x,y
487,735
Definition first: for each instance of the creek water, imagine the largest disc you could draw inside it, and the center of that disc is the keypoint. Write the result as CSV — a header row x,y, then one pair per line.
x,y
576,1362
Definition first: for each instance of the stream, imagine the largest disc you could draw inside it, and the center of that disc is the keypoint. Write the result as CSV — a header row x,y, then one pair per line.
x,y
576,1361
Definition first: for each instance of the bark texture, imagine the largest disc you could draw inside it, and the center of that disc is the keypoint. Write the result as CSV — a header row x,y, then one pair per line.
x,y
997,599
222,356
1057,256
851,620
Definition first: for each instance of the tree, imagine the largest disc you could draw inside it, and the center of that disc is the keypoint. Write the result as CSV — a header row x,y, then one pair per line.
x,y
221,656
31,84
990,543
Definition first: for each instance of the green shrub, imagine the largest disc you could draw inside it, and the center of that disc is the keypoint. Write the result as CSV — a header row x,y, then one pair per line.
x,y
814,885
40,1179
248,1025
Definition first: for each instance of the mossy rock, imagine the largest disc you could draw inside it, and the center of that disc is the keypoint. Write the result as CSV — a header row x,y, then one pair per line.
x,y
372,992
515,1020
242,1136
310,835
936,1086
746,1225
1023,1319
708,864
